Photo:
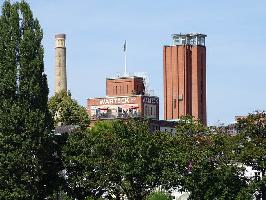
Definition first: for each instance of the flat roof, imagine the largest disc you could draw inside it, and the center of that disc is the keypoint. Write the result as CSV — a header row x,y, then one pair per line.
x,y
124,77
188,34
108,97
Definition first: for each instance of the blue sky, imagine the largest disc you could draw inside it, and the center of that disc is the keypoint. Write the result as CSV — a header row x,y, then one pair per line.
x,y
96,30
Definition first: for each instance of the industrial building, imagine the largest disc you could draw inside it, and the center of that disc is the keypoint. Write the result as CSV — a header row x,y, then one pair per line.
x,y
125,98
184,67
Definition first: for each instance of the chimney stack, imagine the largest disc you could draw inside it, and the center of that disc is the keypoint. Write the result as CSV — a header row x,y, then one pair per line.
x,y
60,64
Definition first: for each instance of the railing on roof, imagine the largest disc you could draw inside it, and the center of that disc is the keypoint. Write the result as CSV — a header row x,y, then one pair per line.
x,y
189,39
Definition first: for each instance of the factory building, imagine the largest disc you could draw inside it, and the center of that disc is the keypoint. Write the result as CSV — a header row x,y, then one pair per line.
x,y
125,98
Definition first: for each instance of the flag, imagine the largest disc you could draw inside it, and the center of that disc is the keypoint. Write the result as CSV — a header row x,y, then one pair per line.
x,y
125,46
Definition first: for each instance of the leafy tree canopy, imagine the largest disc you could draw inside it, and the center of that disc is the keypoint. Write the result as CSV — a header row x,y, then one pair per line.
x,y
251,147
122,158
67,111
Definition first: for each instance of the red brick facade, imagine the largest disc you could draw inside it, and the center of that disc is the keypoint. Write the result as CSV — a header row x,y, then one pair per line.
x,y
185,81
124,86
125,98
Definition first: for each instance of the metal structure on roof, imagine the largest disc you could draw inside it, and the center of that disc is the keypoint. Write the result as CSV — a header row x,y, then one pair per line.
x,y
189,39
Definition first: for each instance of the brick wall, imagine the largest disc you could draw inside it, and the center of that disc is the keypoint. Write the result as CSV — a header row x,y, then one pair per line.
x,y
185,81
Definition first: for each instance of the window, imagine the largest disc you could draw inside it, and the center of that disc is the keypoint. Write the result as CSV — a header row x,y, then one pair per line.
x,y
151,111
115,89
127,88
146,110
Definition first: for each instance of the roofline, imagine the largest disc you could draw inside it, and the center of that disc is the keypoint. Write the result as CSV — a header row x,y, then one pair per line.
x,y
108,97
124,77
188,34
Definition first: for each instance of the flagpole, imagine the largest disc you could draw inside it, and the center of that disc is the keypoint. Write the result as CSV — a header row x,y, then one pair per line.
x,y
125,63
125,52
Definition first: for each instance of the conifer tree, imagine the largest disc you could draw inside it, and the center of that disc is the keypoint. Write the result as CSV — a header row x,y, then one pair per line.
x,y
25,123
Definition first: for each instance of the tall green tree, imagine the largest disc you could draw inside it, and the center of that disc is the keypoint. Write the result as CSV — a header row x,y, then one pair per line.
x,y
25,122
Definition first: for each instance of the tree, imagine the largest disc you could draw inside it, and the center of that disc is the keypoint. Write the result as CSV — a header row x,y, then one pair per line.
x,y
141,157
252,148
116,158
85,163
216,174
67,111
210,170
25,122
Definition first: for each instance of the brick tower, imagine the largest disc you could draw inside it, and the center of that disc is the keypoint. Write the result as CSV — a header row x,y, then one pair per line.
x,y
185,77
60,63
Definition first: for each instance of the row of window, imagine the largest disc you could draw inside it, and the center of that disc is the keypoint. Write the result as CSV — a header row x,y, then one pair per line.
x,y
120,89
124,90
150,110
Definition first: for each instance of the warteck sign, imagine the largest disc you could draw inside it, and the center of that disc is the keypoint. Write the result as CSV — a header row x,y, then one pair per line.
x,y
127,100
151,100
113,101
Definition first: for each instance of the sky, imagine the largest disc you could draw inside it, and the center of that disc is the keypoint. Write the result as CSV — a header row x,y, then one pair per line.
x,y
96,31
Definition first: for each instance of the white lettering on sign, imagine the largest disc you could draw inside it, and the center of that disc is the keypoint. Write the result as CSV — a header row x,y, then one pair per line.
x,y
151,100
117,101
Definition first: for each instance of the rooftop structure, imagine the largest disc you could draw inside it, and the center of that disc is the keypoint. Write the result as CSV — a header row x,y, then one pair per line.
x,y
124,86
189,39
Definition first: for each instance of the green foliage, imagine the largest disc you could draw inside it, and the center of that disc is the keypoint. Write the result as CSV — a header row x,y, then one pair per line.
x,y
158,196
189,126
122,158
25,122
140,157
67,111
207,163
251,147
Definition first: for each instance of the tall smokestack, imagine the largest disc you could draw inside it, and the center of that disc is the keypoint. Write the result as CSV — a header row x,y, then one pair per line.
x,y
60,64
